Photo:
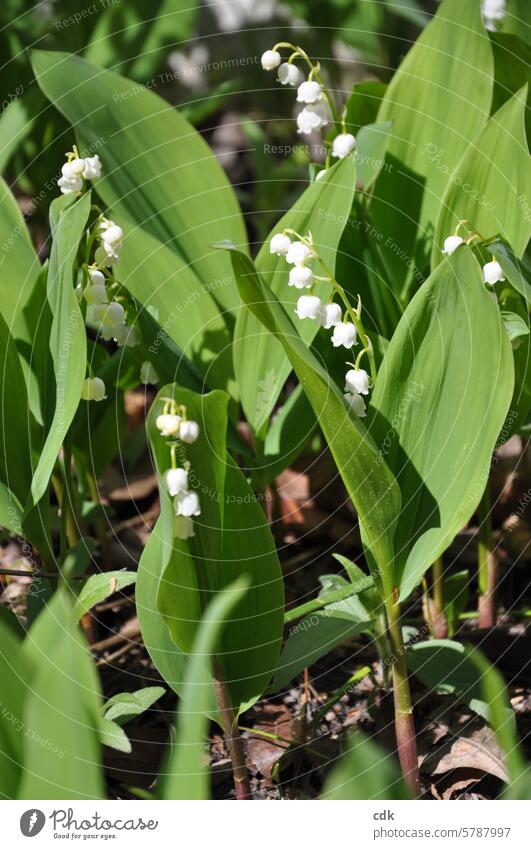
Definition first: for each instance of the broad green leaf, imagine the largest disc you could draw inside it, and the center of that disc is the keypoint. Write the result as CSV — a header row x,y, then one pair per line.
x,y
232,538
446,666
185,775
166,657
16,122
62,707
316,636
99,587
15,444
439,404
157,170
260,364
512,69
369,482
188,310
125,706
363,104
438,101
288,434
18,262
68,343
371,147
491,182
15,673
365,772
515,325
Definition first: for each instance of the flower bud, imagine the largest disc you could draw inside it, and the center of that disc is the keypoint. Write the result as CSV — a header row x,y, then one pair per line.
x,y
308,306
187,503
298,253
357,381
270,60
451,244
95,294
289,74
189,432
176,481
330,315
356,403
309,92
301,277
279,244
492,273
183,527
343,144
148,373
344,334
93,389
168,424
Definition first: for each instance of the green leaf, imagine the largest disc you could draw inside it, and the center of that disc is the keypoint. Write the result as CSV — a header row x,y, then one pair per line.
x,y
185,774
112,735
15,674
260,364
363,104
232,538
366,771
371,147
15,446
288,434
369,482
61,708
446,666
68,344
517,271
78,558
125,706
456,592
438,101
491,183
99,587
316,636
514,325
439,404
157,170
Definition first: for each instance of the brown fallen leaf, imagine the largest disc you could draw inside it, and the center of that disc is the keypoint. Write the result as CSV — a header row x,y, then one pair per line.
x,y
264,752
472,746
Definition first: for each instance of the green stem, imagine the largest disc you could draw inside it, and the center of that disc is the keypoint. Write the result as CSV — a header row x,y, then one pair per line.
x,y
329,598
440,625
229,723
100,525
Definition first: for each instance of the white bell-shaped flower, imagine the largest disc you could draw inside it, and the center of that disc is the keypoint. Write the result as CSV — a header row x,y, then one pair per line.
x,y
451,243
298,253
301,277
279,244
93,389
96,277
176,481
70,185
308,306
356,403
289,74
187,503
312,117
91,167
320,174
344,334
183,527
357,381
168,424
189,432
74,168
95,294
309,92
343,144
270,60
148,373
492,273
330,315
126,336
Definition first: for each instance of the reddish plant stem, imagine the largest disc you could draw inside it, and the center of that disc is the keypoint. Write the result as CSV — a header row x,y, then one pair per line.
x,y
440,624
229,723
487,566
406,740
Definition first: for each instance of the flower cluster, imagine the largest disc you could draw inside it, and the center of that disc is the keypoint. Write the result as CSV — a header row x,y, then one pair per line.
x,y
494,11
99,287
76,169
317,105
301,254
174,424
492,271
